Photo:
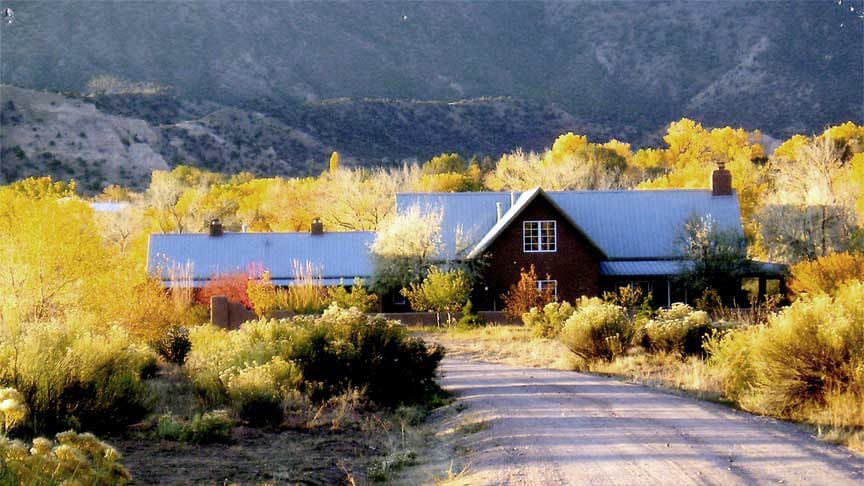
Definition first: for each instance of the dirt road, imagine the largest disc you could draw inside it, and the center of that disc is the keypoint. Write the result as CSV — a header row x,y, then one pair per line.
x,y
546,427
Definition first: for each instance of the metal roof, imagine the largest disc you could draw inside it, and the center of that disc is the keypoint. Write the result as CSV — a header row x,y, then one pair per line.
x,y
344,255
623,224
467,216
109,207
643,268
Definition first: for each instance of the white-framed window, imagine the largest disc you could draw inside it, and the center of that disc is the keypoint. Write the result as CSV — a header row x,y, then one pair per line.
x,y
539,236
542,285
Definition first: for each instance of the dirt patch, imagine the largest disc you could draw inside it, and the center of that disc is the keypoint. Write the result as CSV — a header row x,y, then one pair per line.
x,y
288,457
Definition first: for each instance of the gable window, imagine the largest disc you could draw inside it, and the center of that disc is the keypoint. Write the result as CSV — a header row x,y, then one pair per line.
x,y
544,285
539,236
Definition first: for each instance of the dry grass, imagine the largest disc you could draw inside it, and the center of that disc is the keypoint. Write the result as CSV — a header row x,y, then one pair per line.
x,y
508,344
690,374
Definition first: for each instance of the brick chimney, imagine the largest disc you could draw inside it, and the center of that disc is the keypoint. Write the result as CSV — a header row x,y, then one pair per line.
x,y
216,227
317,227
721,181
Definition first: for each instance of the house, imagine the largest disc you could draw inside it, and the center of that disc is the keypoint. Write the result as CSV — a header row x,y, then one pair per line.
x,y
579,242
582,242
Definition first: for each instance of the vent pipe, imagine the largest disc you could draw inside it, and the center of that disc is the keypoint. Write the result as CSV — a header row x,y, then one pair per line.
x,y
498,211
512,198
317,227
216,227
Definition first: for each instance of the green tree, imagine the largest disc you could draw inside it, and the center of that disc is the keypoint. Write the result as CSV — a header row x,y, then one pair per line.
x,y
718,256
441,291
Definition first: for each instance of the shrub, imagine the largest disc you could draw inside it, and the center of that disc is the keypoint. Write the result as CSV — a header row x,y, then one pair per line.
x,y
826,274
174,345
73,459
13,410
679,329
208,428
319,355
731,355
548,322
168,428
258,392
344,348
523,295
307,295
231,285
470,318
358,297
440,292
597,330
73,376
812,350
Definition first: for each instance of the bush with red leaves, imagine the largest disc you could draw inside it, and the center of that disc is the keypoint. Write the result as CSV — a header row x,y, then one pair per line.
x,y
231,285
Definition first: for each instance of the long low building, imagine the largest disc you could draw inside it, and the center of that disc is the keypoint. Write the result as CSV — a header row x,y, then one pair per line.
x,y
333,257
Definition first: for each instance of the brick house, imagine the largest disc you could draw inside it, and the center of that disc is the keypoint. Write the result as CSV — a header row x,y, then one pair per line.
x,y
583,242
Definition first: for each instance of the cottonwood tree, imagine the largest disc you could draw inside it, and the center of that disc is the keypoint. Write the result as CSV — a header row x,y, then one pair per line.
x,y
440,291
578,167
360,199
50,250
405,247
810,210
693,153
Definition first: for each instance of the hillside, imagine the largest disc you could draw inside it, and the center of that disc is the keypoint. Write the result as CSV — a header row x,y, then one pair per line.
x,y
383,81
120,138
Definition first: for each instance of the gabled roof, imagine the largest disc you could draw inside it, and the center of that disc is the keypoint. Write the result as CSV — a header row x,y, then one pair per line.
x,y
507,218
625,225
338,256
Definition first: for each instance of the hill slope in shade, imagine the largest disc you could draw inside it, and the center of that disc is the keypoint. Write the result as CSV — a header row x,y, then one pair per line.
x,y
782,66
119,139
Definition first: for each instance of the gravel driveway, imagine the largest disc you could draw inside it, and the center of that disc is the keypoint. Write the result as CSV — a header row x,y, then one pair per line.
x,y
550,427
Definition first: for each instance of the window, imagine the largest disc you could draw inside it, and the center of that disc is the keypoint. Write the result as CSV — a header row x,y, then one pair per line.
x,y
543,285
539,236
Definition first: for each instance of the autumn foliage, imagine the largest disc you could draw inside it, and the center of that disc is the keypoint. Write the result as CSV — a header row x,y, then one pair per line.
x,y
231,285
826,274
523,295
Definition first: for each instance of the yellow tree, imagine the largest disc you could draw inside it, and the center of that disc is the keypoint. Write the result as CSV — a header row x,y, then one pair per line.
x,y
49,249
693,153
812,207
334,162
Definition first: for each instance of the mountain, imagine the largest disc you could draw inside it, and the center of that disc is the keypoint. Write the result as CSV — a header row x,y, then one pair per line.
x,y
325,74
119,138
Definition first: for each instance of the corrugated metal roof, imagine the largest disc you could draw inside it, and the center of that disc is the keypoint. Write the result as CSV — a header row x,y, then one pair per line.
x,y
337,255
282,282
109,207
623,224
643,268
467,216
